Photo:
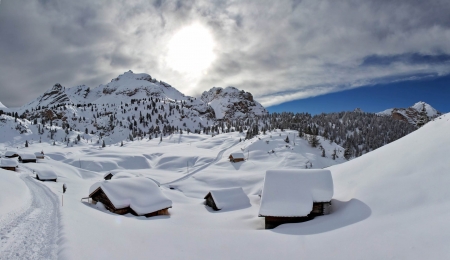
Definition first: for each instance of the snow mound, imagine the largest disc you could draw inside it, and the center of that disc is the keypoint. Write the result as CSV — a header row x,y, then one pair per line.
x,y
140,194
232,198
291,193
15,193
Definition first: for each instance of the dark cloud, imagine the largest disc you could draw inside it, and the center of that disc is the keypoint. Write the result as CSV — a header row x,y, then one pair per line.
x,y
407,58
278,50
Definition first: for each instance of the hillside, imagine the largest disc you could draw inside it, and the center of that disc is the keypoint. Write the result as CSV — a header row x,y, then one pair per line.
x,y
390,203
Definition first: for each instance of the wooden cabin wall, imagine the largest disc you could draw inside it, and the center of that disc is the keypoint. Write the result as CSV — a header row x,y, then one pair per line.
x,y
101,196
321,208
272,222
210,202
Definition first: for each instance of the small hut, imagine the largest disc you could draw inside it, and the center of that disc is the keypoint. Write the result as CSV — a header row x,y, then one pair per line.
x,y
232,198
236,157
139,196
27,158
108,176
11,154
8,164
39,155
46,175
292,196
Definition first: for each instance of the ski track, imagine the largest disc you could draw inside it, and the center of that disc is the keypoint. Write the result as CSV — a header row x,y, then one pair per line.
x,y
218,157
32,233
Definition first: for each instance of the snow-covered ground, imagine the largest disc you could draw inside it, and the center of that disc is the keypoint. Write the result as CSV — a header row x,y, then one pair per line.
x,y
387,204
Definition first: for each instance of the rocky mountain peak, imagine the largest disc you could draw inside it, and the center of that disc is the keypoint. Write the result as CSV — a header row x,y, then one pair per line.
x,y
231,102
412,113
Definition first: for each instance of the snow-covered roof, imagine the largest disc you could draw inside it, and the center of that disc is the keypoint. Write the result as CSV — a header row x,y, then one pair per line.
x,y
120,175
46,174
27,156
238,155
230,198
8,163
291,193
140,194
10,153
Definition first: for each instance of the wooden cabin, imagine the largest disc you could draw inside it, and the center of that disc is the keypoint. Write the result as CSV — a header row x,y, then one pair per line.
x,y
108,176
292,196
39,155
46,175
8,164
27,158
11,154
236,157
232,198
139,196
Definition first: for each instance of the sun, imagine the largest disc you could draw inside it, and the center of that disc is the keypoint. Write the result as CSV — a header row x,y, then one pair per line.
x,y
191,50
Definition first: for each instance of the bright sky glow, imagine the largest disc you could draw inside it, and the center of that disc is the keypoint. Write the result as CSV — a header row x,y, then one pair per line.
x,y
190,50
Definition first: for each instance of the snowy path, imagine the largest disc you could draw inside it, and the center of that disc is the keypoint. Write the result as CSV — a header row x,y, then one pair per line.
x,y
206,165
32,233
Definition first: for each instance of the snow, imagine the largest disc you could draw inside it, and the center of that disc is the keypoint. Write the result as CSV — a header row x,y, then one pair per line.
x,y
391,203
14,193
10,153
238,155
431,112
291,193
27,156
386,112
8,163
140,194
46,174
231,198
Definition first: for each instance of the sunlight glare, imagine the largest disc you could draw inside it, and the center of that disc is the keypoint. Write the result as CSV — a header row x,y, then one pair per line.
x,y
191,50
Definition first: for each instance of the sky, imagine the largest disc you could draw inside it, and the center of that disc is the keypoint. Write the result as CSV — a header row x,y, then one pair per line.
x,y
279,51
376,98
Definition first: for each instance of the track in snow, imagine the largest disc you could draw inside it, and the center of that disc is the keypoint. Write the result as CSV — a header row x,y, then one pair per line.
x,y
218,157
33,233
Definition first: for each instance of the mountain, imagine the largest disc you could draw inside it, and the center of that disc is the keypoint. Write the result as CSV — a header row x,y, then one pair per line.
x,y
411,114
137,105
231,102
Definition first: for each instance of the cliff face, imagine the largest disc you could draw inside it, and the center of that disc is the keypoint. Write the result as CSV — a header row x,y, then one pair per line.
x,y
232,103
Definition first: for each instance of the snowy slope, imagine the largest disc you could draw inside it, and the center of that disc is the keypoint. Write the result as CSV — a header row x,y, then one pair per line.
x,y
388,204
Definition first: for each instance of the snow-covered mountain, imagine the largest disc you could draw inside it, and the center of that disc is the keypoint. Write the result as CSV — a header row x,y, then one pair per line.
x,y
411,114
231,102
137,104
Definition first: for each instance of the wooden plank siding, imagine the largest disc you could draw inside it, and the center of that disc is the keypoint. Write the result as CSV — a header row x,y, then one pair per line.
x,y
8,168
319,209
210,202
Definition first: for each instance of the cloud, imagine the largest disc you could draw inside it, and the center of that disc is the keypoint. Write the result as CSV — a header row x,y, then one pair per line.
x,y
278,50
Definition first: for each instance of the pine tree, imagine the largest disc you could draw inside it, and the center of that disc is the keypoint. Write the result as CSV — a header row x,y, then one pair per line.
x,y
313,141
26,143
287,139
423,117
121,143
323,152
348,152
103,144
